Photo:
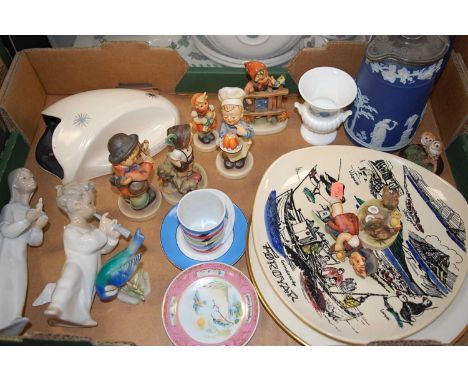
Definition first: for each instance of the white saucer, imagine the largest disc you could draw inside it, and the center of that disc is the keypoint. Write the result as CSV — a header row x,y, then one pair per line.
x,y
207,48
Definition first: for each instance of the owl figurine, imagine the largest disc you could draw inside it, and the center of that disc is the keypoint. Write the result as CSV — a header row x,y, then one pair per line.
x,y
427,153
432,147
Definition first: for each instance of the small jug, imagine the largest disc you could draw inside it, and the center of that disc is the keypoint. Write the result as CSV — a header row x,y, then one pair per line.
x,y
394,84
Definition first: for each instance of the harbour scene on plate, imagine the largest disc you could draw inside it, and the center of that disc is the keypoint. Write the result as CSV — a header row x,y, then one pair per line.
x,y
416,276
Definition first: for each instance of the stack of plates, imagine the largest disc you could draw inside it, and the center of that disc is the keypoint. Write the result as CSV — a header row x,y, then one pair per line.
x,y
418,289
233,51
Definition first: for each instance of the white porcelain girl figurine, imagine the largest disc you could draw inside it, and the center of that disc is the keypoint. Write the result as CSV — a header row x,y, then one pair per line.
x,y
84,244
20,226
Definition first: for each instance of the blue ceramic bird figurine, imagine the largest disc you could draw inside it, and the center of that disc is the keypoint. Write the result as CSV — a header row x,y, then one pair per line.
x,y
119,269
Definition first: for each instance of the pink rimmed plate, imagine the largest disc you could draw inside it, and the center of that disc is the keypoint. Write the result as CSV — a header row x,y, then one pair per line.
x,y
210,304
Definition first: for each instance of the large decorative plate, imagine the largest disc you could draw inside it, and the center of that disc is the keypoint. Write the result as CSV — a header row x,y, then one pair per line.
x,y
446,328
210,304
417,276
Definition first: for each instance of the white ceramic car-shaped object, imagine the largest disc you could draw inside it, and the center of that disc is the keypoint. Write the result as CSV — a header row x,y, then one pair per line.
x,y
74,145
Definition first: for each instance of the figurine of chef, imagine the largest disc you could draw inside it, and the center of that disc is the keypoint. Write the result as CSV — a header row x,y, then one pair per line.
x,y
84,243
20,226
235,135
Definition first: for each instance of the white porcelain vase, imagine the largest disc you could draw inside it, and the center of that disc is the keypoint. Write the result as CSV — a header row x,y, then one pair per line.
x,y
327,91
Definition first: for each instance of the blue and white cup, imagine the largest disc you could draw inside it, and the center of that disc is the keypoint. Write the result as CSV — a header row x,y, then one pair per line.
x,y
206,218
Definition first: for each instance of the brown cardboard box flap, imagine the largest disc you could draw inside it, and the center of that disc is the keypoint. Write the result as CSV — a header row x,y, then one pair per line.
x,y
3,70
461,46
344,55
450,99
36,73
76,70
22,97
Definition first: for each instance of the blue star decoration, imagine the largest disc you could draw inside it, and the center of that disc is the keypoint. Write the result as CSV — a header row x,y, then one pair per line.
x,y
81,119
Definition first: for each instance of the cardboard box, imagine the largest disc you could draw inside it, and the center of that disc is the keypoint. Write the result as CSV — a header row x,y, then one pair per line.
x,y
40,77
3,70
13,149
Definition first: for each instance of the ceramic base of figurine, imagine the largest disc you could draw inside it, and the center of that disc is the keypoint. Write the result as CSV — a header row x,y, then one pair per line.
x,y
170,193
136,289
52,320
206,147
262,126
416,154
367,240
234,173
317,139
141,215
15,328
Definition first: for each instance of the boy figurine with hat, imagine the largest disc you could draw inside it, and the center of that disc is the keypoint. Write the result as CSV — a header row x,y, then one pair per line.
x,y
132,168
235,135
179,174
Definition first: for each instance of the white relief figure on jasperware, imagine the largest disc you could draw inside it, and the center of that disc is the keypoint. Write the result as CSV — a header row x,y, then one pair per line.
x,y
409,124
388,72
380,131
363,109
405,76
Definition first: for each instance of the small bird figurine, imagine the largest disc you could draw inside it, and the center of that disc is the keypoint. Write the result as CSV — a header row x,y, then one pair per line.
x,y
280,81
119,269
395,219
432,147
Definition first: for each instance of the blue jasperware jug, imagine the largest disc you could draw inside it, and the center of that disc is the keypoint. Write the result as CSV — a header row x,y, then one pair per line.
x,y
394,84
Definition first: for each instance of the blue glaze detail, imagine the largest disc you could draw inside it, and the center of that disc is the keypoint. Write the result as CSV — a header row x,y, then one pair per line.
x,y
120,268
414,287
432,277
272,223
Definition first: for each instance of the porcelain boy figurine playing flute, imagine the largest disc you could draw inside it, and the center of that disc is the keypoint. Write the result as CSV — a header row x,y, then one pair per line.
x,y
72,296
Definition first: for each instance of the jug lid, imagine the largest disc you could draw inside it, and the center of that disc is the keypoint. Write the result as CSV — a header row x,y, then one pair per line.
x,y
412,50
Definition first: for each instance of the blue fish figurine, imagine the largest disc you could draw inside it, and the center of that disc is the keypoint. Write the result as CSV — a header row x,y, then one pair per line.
x,y
119,269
